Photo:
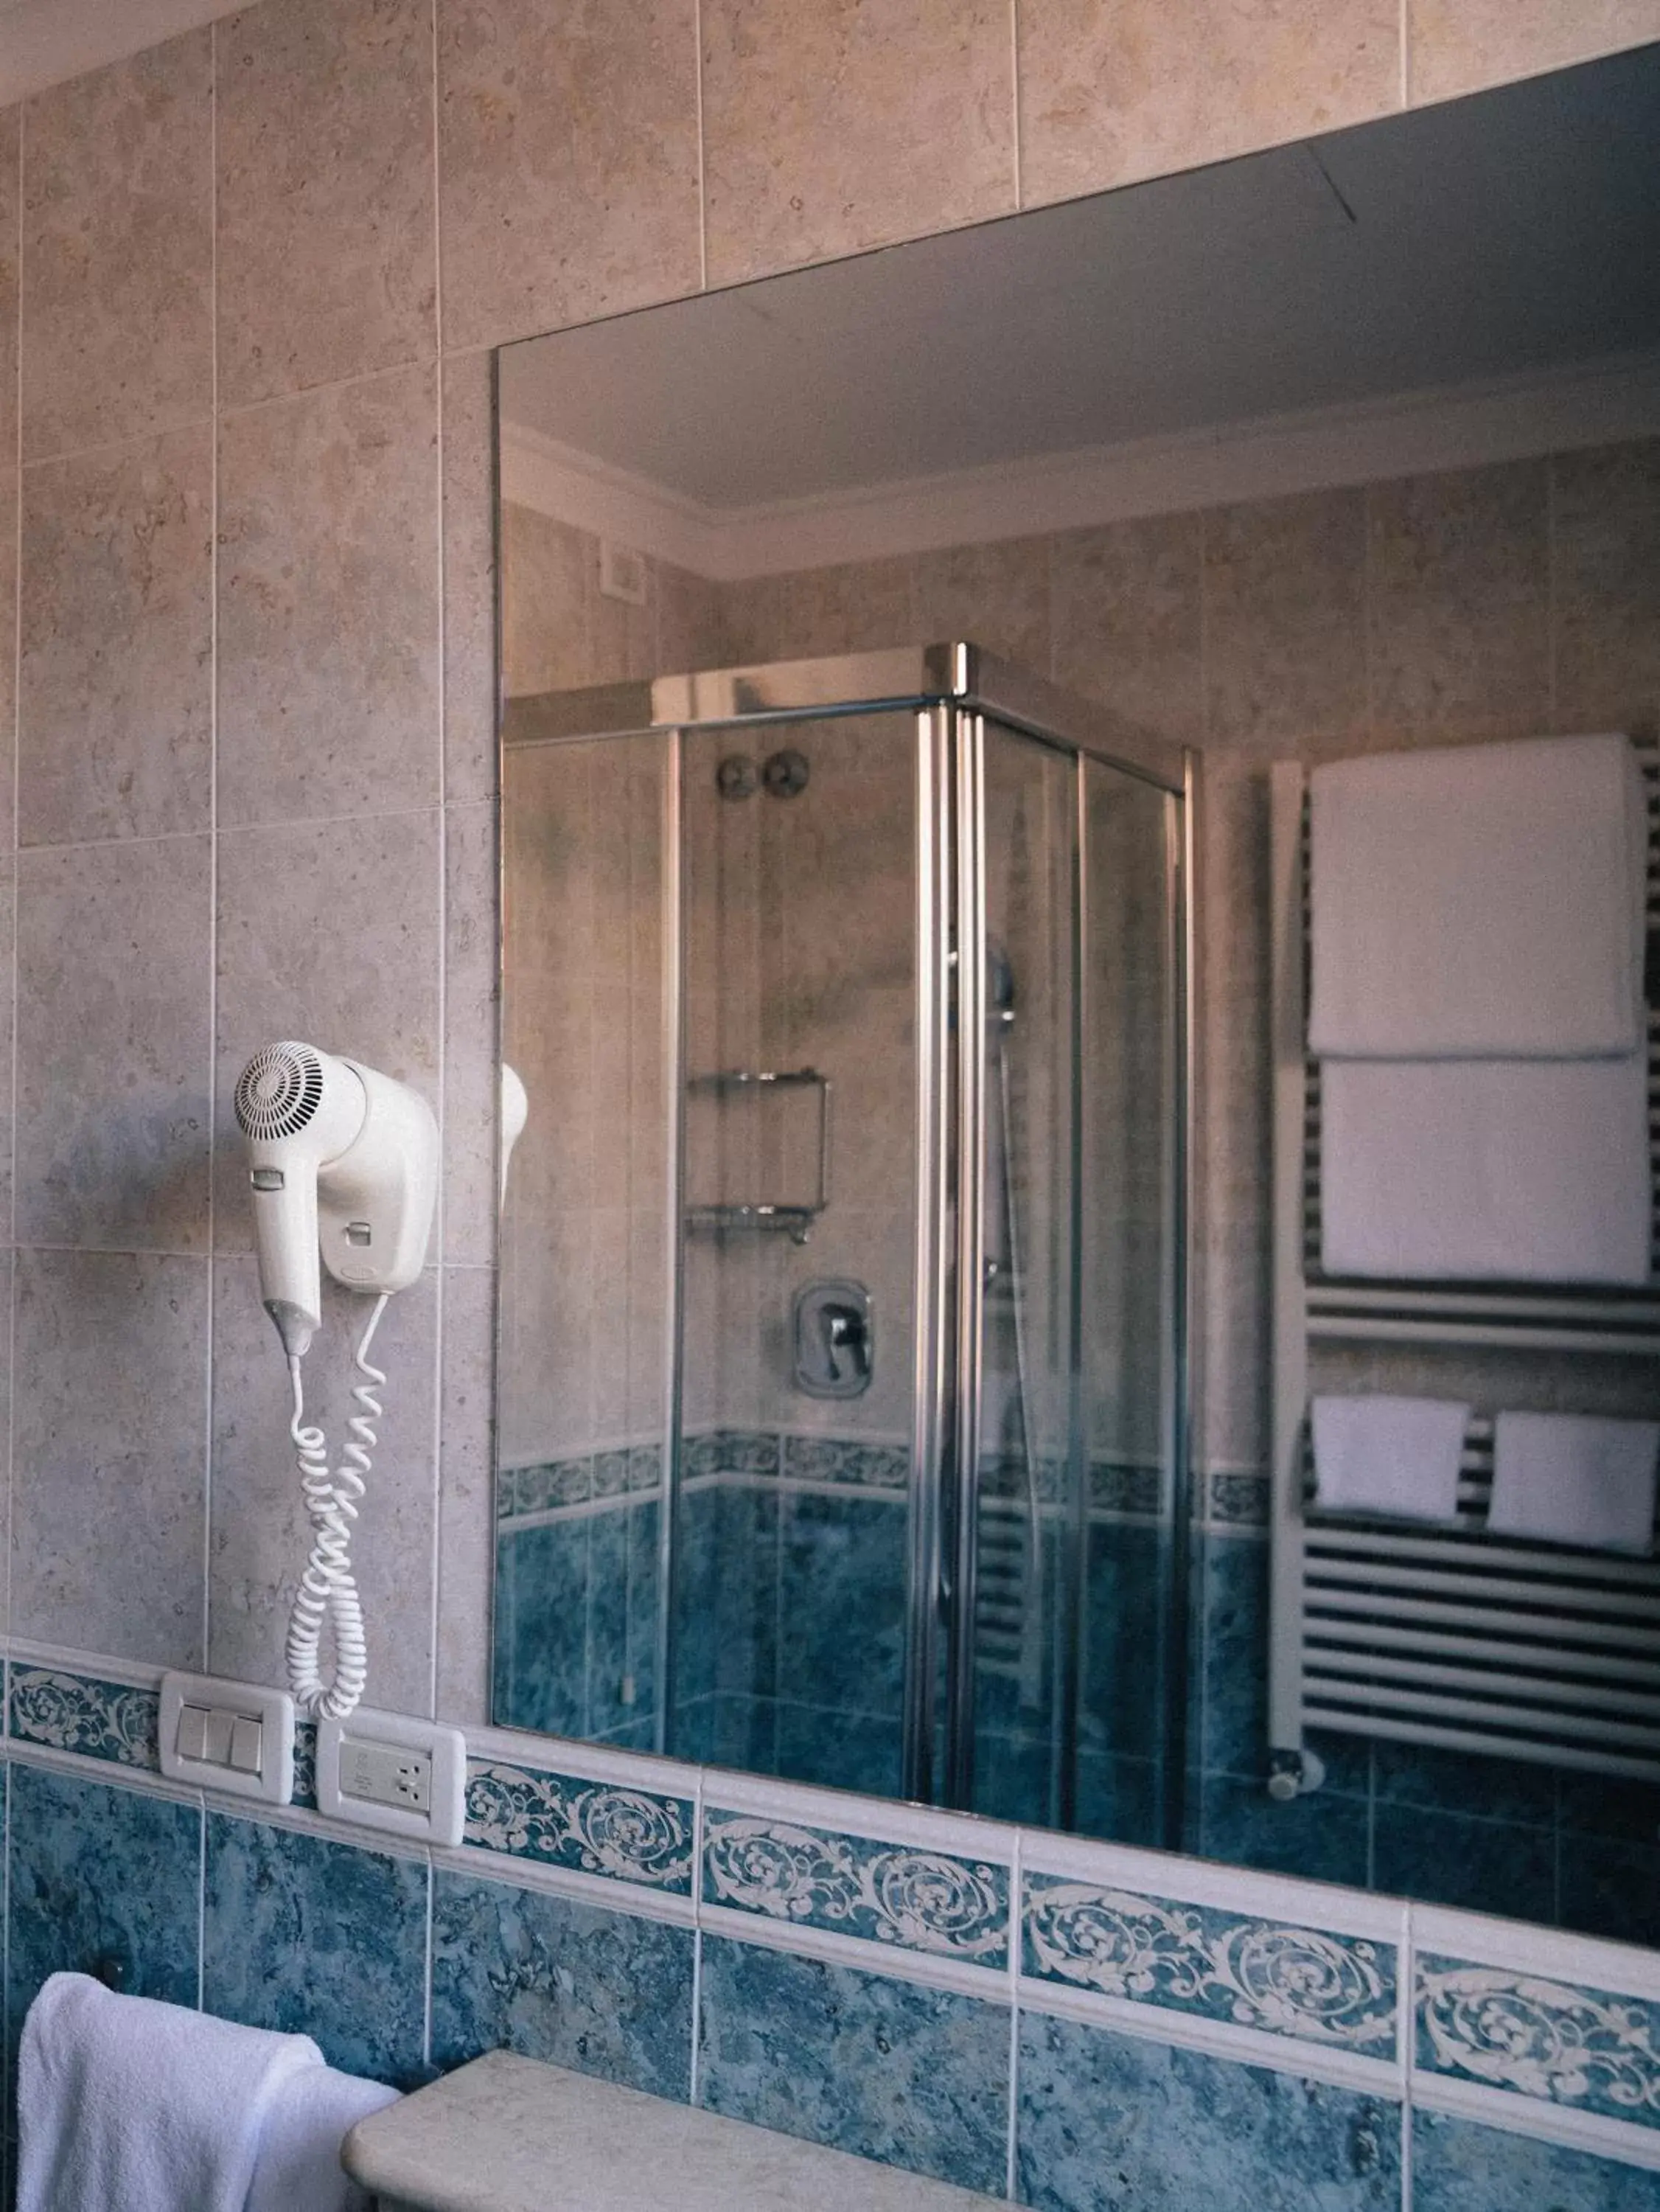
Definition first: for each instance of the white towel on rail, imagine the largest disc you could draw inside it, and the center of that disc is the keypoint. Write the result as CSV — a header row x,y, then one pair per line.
x,y
128,2105
1478,902
1518,1170
1398,1457
1574,1479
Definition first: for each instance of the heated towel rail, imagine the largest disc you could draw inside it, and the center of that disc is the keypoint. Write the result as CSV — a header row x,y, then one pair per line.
x,y
1445,1636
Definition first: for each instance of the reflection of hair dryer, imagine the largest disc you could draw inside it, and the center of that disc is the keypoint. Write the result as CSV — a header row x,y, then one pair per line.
x,y
343,1162
515,1112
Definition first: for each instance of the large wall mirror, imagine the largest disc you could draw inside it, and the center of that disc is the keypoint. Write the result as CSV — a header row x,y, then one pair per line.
x,y
923,1274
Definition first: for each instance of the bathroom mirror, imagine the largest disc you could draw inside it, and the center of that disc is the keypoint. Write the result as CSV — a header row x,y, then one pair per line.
x,y
908,1308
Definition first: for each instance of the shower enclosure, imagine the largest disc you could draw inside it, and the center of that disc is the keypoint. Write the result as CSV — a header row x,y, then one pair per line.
x,y
842,1361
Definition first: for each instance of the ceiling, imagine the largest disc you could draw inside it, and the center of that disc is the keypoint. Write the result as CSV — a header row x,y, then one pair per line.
x,y
1517,231
42,42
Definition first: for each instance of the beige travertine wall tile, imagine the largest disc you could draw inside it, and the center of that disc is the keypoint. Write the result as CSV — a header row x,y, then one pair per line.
x,y
260,1534
8,498
853,124
10,182
1459,601
997,596
1126,620
469,579
1455,46
1285,618
1605,515
326,248
114,1044
329,603
327,931
567,160
111,1397
7,942
1112,90
559,630
466,1497
472,1007
115,710
117,251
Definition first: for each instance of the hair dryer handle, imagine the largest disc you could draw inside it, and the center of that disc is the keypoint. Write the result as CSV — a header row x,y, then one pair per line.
x,y
290,1270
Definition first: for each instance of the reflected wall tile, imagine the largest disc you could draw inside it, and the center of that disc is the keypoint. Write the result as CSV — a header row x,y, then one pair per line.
x,y
317,1938
115,706
113,1045
327,931
471,1008
1115,2120
260,1535
606,1993
1126,599
1458,600
9,497
1321,1837
11,122
468,409
118,239
328,603
112,1358
995,595
568,161
1111,93
917,2077
1285,618
1455,46
466,1497
831,130
99,1877
1605,513
1458,1859
324,139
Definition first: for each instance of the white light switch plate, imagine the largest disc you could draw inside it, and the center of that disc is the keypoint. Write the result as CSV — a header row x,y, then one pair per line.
x,y
362,1752
228,1702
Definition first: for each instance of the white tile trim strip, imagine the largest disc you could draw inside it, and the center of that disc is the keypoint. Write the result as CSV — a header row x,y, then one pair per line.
x,y
1530,2116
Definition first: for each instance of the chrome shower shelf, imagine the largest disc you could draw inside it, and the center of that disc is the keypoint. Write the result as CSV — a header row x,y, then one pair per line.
x,y
795,1219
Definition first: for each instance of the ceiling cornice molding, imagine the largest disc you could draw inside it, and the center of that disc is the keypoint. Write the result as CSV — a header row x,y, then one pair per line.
x,y
1506,419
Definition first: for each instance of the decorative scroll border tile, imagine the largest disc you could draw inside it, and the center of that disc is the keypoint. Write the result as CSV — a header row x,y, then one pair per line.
x,y
84,1714
1115,1488
901,1894
1200,1959
1238,1500
596,1827
539,1489
1540,2038
850,1460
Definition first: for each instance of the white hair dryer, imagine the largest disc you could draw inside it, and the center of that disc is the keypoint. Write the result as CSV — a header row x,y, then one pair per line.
x,y
342,1165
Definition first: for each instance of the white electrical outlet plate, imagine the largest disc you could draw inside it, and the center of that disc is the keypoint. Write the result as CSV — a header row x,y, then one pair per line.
x,y
385,1770
233,1736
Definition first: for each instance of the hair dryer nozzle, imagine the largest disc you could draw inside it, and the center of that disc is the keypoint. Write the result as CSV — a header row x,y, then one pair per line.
x,y
298,1109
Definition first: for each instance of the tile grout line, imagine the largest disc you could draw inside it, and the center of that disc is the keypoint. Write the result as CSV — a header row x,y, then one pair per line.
x,y
1405,36
435,1492
1014,97
703,181
1406,2018
16,904
697,1937
210,1406
1017,1939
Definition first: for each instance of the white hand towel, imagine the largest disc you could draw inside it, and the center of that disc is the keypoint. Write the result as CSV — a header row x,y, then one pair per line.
x,y
1479,902
306,2123
1486,1170
1574,1479
1398,1457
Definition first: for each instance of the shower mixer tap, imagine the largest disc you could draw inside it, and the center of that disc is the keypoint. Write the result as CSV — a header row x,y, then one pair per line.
x,y
844,1330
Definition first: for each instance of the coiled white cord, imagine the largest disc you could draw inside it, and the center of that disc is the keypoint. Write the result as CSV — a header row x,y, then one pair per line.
x,y
328,1589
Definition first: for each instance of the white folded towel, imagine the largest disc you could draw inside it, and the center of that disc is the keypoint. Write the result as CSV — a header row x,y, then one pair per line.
x,y
308,2119
1574,1479
1396,1456
126,2105
1521,1170
1478,901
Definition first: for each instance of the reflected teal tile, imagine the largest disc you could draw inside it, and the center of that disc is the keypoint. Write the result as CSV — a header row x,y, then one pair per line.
x,y
1323,1836
1119,1799
1463,1781
1457,2165
915,2077
1112,2123
1235,1670
841,1603
543,1683
1452,1859
1123,1615
839,1750
318,1938
607,1667
1610,1886
607,1993
98,1875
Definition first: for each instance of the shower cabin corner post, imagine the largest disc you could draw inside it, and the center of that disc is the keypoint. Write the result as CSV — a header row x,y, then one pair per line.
x,y
673,1062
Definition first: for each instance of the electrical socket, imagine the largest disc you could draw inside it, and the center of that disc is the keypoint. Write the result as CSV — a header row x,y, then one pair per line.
x,y
408,1777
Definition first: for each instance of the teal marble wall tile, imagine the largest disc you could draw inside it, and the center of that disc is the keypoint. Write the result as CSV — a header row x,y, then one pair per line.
x,y
1462,1860
596,1827
1581,2046
1323,1836
100,1875
1458,2166
81,1713
318,1938
1340,1990
605,1993
915,1899
841,1602
1111,2123
917,2077
837,1749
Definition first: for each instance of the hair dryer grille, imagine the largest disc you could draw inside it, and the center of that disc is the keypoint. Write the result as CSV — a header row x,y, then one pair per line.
x,y
279,1090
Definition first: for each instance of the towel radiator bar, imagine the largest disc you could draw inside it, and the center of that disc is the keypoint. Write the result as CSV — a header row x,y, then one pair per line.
x,y
1447,1636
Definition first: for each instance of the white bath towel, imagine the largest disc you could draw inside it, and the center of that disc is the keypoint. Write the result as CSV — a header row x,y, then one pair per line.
x,y
1478,901
1396,1456
1574,1479
126,2105
311,2116
1486,1170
